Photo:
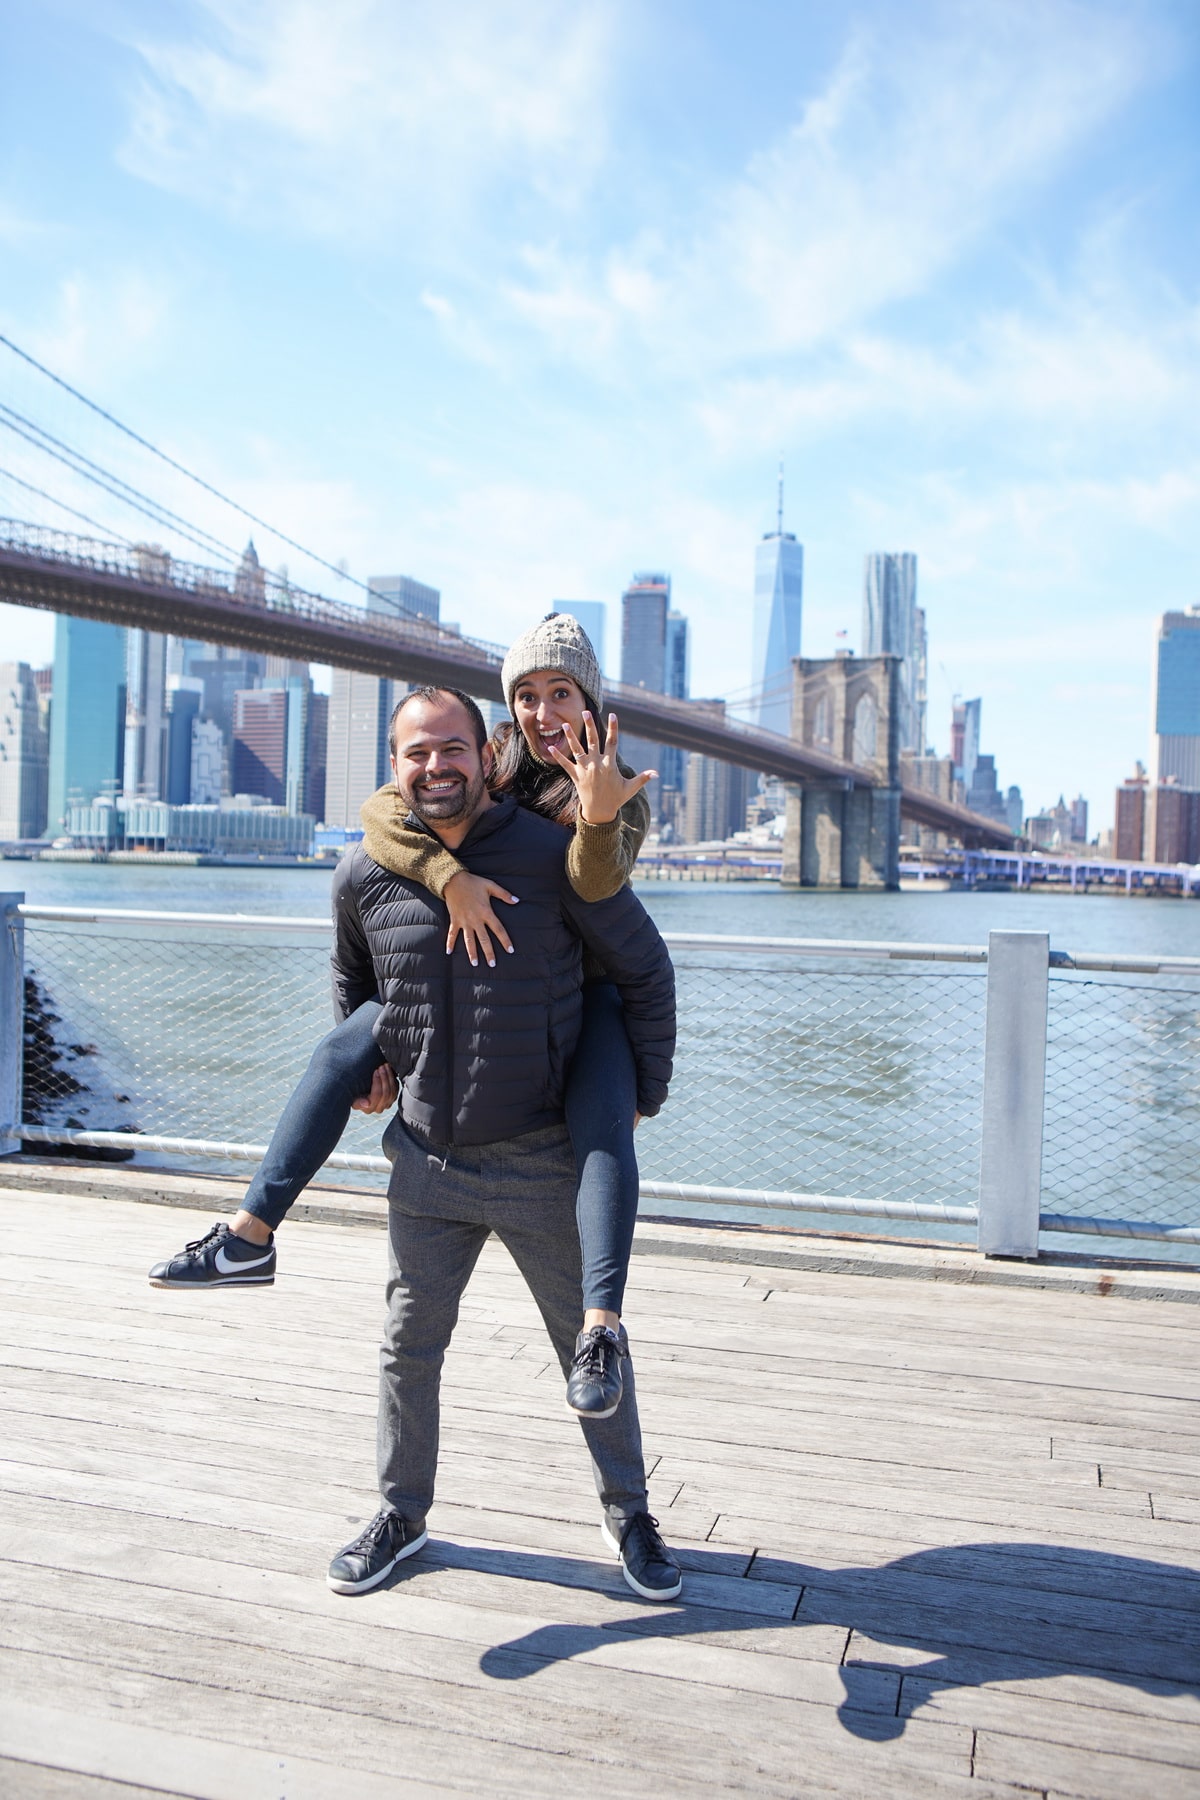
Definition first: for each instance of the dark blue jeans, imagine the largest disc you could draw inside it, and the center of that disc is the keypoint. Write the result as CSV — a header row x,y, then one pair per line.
x,y
315,1117
600,1102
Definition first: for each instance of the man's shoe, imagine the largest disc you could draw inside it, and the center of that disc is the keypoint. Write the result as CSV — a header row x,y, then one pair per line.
x,y
594,1384
373,1555
646,1563
218,1259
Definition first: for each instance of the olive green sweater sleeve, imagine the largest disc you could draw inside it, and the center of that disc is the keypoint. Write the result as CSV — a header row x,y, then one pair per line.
x,y
600,858
403,848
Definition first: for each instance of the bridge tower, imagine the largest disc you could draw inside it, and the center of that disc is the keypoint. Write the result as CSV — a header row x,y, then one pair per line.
x,y
838,835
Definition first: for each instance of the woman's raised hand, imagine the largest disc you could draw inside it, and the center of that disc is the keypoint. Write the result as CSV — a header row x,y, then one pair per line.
x,y
601,787
469,899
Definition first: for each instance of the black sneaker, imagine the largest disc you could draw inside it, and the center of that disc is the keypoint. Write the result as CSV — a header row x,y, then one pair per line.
x,y
218,1259
373,1555
594,1384
646,1563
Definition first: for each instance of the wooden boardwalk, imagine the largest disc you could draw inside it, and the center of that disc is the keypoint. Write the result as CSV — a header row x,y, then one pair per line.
x,y
939,1540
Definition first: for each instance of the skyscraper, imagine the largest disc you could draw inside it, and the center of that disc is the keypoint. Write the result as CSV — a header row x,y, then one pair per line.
x,y
964,739
87,715
260,733
145,714
672,763
894,625
24,754
717,792
1175,751
314,761
185,697
357,760
644,608
778,592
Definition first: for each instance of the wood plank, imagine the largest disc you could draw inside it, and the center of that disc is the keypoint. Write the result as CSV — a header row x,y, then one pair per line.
x,y
56,1747
906,1468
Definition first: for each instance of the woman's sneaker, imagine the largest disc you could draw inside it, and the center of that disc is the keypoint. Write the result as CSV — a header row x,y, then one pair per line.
x,y
373,1555
646,1563
218,1259
595,1382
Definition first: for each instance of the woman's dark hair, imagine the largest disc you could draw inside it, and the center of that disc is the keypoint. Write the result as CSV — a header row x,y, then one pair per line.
x,y
540,786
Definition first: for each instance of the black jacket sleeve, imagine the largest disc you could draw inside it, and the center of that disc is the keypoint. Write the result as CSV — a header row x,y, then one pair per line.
x,y
352,968
622,934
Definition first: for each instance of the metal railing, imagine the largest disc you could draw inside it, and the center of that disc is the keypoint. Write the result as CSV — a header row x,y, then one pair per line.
x,y
999,1086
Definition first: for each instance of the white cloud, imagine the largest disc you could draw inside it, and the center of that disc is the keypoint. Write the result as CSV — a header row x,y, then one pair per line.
x,y
916,147
365,117
105,320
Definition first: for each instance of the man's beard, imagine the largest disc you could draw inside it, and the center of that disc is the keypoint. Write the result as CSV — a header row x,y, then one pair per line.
x,y
451,808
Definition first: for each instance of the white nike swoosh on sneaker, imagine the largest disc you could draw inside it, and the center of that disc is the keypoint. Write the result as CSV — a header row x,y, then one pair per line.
x,y
226,1265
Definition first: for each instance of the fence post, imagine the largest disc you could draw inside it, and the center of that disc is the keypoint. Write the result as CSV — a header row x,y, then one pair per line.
x,y
12,1018
1014,1092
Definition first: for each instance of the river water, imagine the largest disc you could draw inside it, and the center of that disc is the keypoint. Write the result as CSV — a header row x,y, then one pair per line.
x,y
813,1076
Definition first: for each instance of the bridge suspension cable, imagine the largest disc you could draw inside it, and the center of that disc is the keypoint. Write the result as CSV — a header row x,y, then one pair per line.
x,y
189,475
111,484
74,511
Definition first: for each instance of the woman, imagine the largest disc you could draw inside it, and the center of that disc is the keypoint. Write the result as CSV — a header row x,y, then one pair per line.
x,y
550,759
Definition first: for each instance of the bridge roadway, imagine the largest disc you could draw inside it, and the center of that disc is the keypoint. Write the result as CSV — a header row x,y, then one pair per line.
x,y
148,589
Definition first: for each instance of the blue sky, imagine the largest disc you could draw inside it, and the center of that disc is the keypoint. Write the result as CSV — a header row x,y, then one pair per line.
x,y
518,298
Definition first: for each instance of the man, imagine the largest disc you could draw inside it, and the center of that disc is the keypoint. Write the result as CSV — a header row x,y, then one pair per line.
x,y
479,1143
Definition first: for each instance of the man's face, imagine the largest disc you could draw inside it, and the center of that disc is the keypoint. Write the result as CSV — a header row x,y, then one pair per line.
x,y
439,769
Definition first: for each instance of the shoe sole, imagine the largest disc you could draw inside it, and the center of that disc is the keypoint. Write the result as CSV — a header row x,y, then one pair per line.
x,y
221,1281
645,1592
373,1581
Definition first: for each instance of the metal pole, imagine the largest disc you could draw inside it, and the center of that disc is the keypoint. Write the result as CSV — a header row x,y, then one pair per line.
x,y
1014,1093
12,1018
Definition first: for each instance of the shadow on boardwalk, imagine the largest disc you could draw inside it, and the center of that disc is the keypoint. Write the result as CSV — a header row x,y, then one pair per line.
x,y
1005,1612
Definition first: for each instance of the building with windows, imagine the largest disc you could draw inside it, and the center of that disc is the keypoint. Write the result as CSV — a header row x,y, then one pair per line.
x,y
964,740
87,714
357,756
223,830
260,743
672,762
894,625
778,594
1129,832
1175,745
24,755
145,714
644,608
185,696
210,762
717,793
314,767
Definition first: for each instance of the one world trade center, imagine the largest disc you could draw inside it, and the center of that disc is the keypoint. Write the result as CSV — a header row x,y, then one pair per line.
x,y
778,585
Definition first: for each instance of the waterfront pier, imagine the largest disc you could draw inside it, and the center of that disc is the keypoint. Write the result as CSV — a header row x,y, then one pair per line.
x,y
939,1529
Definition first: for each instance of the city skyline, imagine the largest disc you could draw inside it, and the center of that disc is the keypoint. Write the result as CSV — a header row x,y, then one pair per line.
x,y
523,318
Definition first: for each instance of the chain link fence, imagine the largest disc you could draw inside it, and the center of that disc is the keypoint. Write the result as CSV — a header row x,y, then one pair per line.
x,y
824,1079
804,1076
1122,1127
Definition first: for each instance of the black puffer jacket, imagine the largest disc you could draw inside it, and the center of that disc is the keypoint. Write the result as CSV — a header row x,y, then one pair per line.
x,y
482,1054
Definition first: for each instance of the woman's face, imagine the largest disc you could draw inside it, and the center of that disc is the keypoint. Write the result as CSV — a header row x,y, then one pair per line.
x,y
543,703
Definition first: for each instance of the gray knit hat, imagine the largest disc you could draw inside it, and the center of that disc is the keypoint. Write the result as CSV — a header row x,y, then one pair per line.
x,y
558,642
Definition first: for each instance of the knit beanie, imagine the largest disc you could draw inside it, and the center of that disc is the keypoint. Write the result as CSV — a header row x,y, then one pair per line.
x,y
558,642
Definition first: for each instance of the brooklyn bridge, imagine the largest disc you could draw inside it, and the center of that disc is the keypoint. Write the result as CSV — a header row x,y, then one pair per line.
x,y
133,585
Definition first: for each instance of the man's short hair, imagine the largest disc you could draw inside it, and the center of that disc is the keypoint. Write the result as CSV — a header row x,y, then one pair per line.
x,y
440,693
